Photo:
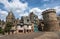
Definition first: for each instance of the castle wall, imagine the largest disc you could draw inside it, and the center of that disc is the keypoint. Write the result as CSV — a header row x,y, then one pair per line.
x,y
50,20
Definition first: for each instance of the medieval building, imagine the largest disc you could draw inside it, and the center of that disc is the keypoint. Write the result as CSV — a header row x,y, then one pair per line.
x,y
50,20
34,19
41,25
32,23
11,18
24,25
2,24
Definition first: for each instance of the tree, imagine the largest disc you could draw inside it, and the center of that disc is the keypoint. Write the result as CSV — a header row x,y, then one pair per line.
x,y
8,27
0,30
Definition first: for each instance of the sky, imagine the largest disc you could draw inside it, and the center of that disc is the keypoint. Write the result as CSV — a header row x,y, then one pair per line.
x,y
24,7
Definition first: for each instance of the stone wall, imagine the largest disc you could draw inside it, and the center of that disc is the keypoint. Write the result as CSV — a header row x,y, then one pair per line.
x,y
50,20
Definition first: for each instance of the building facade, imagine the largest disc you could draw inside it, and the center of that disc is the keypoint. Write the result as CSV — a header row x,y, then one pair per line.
x,y
24,25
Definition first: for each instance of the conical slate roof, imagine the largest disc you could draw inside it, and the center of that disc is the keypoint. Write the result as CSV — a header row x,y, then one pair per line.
x,y
10,15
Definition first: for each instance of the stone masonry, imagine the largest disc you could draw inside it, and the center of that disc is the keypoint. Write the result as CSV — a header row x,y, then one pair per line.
x,y
50,20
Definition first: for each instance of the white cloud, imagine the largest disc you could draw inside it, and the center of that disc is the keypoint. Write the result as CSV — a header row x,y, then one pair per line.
x,y
3,13
23,14
15,4
37,11
18,7
57,9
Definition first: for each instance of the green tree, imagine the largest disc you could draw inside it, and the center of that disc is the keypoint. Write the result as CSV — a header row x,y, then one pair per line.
x,y
8,27
0,30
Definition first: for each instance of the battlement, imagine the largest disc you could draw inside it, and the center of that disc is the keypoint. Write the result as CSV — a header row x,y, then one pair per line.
x,y
48,11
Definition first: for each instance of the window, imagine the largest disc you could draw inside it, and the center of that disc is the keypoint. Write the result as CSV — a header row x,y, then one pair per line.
x,y
27,20
34,17
20,30
21,26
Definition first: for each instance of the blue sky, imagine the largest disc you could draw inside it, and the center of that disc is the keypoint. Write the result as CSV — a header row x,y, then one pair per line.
x,y
24,7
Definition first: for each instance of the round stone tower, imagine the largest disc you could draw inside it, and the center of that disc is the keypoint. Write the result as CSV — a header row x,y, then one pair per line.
x,y
50,20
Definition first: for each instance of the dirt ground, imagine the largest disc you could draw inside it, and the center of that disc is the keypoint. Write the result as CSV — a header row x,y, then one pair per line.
x,y
34,35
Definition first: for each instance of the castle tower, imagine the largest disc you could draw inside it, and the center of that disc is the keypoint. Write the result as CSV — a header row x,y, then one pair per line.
x,y
50,20
34,19
10,17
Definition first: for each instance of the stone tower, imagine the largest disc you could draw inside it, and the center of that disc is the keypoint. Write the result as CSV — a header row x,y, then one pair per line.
x,y
34,18
31,17
10,17
50,20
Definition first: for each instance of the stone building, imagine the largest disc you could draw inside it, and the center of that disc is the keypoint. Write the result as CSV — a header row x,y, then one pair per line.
x,y
41,25
25,25
34,19
11,18
19,26
50,20
2,24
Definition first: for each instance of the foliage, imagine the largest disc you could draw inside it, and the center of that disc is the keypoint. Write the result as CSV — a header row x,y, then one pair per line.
x,y
1,30
8,27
